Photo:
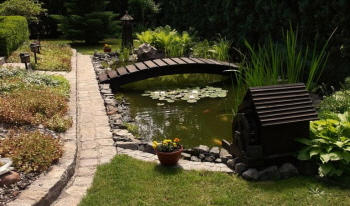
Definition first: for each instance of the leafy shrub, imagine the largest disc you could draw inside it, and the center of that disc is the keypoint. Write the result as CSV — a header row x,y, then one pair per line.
x,y
329,145
167,39
58,123
13,32
32,106
339,102
53,57
31,151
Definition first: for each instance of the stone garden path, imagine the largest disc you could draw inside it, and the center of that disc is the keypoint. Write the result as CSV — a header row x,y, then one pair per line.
x,y
88,144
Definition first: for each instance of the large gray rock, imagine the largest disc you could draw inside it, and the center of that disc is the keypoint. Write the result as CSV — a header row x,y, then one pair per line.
x,y
215,151
251,174
195,159
270,173
203,149
9,178
288,170
240,168
230,163
209,158
146,52
237,160
186,156
149,148
224,152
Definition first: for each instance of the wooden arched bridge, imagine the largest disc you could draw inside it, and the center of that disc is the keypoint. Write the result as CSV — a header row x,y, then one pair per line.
x,y
159,67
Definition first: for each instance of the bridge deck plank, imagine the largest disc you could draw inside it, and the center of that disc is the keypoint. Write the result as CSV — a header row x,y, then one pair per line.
x,y
102,77
150,64
122,71
141,66
229,64
169,62
206,61
160,63
112,74
187,60
213,61
198,61
178,60
131,68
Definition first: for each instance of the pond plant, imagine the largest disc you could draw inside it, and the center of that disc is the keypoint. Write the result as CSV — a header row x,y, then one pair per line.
x,y
273,63
191,95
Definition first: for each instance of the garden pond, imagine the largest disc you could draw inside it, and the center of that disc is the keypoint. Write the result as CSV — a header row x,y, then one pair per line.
x,y
196,114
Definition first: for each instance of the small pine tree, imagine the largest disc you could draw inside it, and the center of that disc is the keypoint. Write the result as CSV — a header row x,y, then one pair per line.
x,y
87,20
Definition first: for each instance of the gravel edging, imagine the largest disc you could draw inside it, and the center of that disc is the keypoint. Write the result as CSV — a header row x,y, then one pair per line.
x,y
49,185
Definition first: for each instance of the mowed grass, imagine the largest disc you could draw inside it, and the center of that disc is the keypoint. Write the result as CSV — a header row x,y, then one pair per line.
x,y
126,181
89,49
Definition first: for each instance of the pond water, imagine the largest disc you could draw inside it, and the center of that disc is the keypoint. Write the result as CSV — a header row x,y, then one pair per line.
x,y
205,122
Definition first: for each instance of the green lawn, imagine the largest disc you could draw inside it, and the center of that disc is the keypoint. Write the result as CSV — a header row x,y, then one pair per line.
x,y
126,181
89,49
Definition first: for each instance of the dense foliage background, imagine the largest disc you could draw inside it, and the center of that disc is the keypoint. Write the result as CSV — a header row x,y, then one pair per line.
x,y
235,20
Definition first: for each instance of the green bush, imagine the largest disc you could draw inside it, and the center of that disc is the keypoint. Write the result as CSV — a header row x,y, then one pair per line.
x,y
167,39
31,151
13,32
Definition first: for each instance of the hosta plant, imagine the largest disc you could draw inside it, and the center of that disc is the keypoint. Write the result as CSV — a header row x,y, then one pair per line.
x,y
329,145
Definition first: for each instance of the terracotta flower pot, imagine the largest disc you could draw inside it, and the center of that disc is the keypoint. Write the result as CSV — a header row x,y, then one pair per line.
x,y
107,49
169,158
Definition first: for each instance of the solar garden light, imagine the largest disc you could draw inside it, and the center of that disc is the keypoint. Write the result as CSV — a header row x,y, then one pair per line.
x,y
127,21
34,48
25,58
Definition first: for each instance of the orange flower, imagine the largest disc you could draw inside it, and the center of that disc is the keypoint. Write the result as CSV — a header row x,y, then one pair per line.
x,y
176,140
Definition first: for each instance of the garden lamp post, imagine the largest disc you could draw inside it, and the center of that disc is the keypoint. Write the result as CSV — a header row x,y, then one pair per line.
x,y
25,58
34,48
127,22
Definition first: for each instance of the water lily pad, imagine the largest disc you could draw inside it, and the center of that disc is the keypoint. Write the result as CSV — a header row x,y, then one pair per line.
x,y
170,100
222,95
160,104
191,101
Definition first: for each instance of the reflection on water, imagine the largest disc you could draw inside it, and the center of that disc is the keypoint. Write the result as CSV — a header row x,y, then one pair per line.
x,y
206,122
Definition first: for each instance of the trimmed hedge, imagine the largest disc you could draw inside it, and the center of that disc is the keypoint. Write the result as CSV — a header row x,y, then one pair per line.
x,y
13,32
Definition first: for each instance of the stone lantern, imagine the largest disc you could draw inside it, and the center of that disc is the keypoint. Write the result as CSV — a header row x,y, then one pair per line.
x,y
127,22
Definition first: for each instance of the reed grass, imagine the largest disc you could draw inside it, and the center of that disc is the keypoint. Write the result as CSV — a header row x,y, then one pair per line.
x,y
274,63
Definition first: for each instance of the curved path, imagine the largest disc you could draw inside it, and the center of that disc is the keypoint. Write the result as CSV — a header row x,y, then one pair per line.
x,y
87,144
160,67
